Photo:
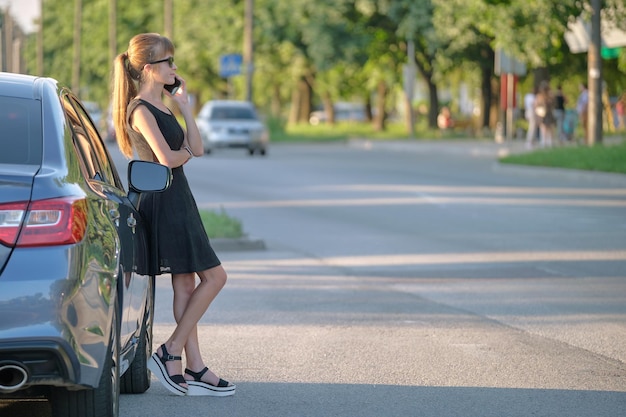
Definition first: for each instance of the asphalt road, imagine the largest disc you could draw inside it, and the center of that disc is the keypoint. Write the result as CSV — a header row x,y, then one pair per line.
x,y
418,279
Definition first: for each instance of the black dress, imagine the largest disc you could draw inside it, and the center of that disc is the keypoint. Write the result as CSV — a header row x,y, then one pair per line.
x,y
178,239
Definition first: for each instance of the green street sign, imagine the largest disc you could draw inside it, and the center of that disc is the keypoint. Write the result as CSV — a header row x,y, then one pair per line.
x,y
610,53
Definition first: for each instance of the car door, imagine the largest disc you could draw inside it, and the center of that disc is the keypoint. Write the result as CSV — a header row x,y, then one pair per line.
x,y
103,179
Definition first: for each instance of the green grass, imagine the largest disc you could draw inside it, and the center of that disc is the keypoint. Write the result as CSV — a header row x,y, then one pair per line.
x,y
605,158
343,131
220,224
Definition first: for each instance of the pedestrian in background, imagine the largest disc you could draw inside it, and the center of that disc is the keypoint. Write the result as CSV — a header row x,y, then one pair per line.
x,y
544,111
581,108
529,114
444,119
559,112
145,125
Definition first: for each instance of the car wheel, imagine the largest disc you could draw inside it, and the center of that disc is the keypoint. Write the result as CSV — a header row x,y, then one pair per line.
x,y
102,401
263,151
136,379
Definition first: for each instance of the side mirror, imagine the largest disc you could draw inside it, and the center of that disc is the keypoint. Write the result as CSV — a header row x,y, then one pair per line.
x,y
144,176
148,176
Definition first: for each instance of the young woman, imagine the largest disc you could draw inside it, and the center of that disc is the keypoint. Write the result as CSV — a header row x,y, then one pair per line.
x,y
544,109
144,124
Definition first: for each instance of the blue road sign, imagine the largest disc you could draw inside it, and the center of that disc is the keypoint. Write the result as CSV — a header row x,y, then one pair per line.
x,y
230,65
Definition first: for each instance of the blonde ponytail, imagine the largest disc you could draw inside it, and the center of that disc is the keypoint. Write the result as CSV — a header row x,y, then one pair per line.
x,y
127,71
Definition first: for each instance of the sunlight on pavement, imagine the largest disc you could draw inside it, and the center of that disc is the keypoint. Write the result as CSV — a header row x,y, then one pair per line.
x,y
434,259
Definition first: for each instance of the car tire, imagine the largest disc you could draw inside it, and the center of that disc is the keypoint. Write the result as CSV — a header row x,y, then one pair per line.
x,y
102,401
263,151
250,151
136,379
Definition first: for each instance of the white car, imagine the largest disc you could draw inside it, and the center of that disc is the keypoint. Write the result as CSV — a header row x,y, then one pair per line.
x,y
232,124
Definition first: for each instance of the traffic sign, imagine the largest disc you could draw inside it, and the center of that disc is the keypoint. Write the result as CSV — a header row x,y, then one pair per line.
x,y
230,65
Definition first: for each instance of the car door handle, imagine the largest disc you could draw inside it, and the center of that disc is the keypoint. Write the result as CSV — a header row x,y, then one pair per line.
x,y
131,222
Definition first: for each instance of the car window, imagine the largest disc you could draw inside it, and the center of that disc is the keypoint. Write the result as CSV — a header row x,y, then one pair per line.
x,y
232,113
20,131
204,112
88,142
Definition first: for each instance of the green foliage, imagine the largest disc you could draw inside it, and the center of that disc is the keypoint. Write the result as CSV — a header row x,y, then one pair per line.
x,y
342,48
344,131
606,158
220,224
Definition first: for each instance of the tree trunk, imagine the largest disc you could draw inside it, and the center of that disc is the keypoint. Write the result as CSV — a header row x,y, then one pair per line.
x,y
486,93
294,110
368,108
78,18
329,108
409,116
433,109
380,116
540,74
276,102
494,100
305,101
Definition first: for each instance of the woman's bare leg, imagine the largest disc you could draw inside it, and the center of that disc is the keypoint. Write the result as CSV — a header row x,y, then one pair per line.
x,y
190,304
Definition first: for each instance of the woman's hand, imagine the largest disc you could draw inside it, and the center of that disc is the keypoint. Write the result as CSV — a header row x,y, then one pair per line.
x,y
180,96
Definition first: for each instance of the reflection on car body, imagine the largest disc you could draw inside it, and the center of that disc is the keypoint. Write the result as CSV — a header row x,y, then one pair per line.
x,y
232,124
76,305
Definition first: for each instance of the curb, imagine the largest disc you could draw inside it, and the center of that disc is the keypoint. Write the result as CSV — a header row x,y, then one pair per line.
x,y
237,244
614,179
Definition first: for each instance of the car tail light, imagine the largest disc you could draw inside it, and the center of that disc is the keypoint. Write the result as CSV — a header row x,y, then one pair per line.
x,y
11,216
59,221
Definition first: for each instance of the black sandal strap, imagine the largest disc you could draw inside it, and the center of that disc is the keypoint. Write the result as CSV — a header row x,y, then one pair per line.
x,y
167,357
178,379
223,383
197,376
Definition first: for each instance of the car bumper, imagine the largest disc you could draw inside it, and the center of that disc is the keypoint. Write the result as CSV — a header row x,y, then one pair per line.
x,y
45,361
54,320
236,141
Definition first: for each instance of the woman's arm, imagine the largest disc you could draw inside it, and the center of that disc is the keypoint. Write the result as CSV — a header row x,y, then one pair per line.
x,y
192,136
144,122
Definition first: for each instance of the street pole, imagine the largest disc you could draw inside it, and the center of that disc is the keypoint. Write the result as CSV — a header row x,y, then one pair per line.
x,y
594,80
78,17
112,31
248,46
168,19
40,69
409,87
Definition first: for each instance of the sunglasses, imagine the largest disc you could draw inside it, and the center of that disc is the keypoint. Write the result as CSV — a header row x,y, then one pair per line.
x,y
169,60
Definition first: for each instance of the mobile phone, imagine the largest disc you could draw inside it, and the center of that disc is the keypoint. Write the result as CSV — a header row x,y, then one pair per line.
x,y
173,88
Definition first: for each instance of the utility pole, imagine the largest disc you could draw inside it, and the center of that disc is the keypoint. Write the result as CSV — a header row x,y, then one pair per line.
x,y
112,31
7,41
594,77
40,68
168,19
248,46
78,17
409,73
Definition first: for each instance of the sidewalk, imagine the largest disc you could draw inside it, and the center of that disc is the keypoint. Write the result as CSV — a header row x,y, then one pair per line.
x,y
475,147
490,149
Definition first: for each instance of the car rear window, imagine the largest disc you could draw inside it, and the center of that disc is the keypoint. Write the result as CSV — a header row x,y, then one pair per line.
x,y
20,131
232,113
